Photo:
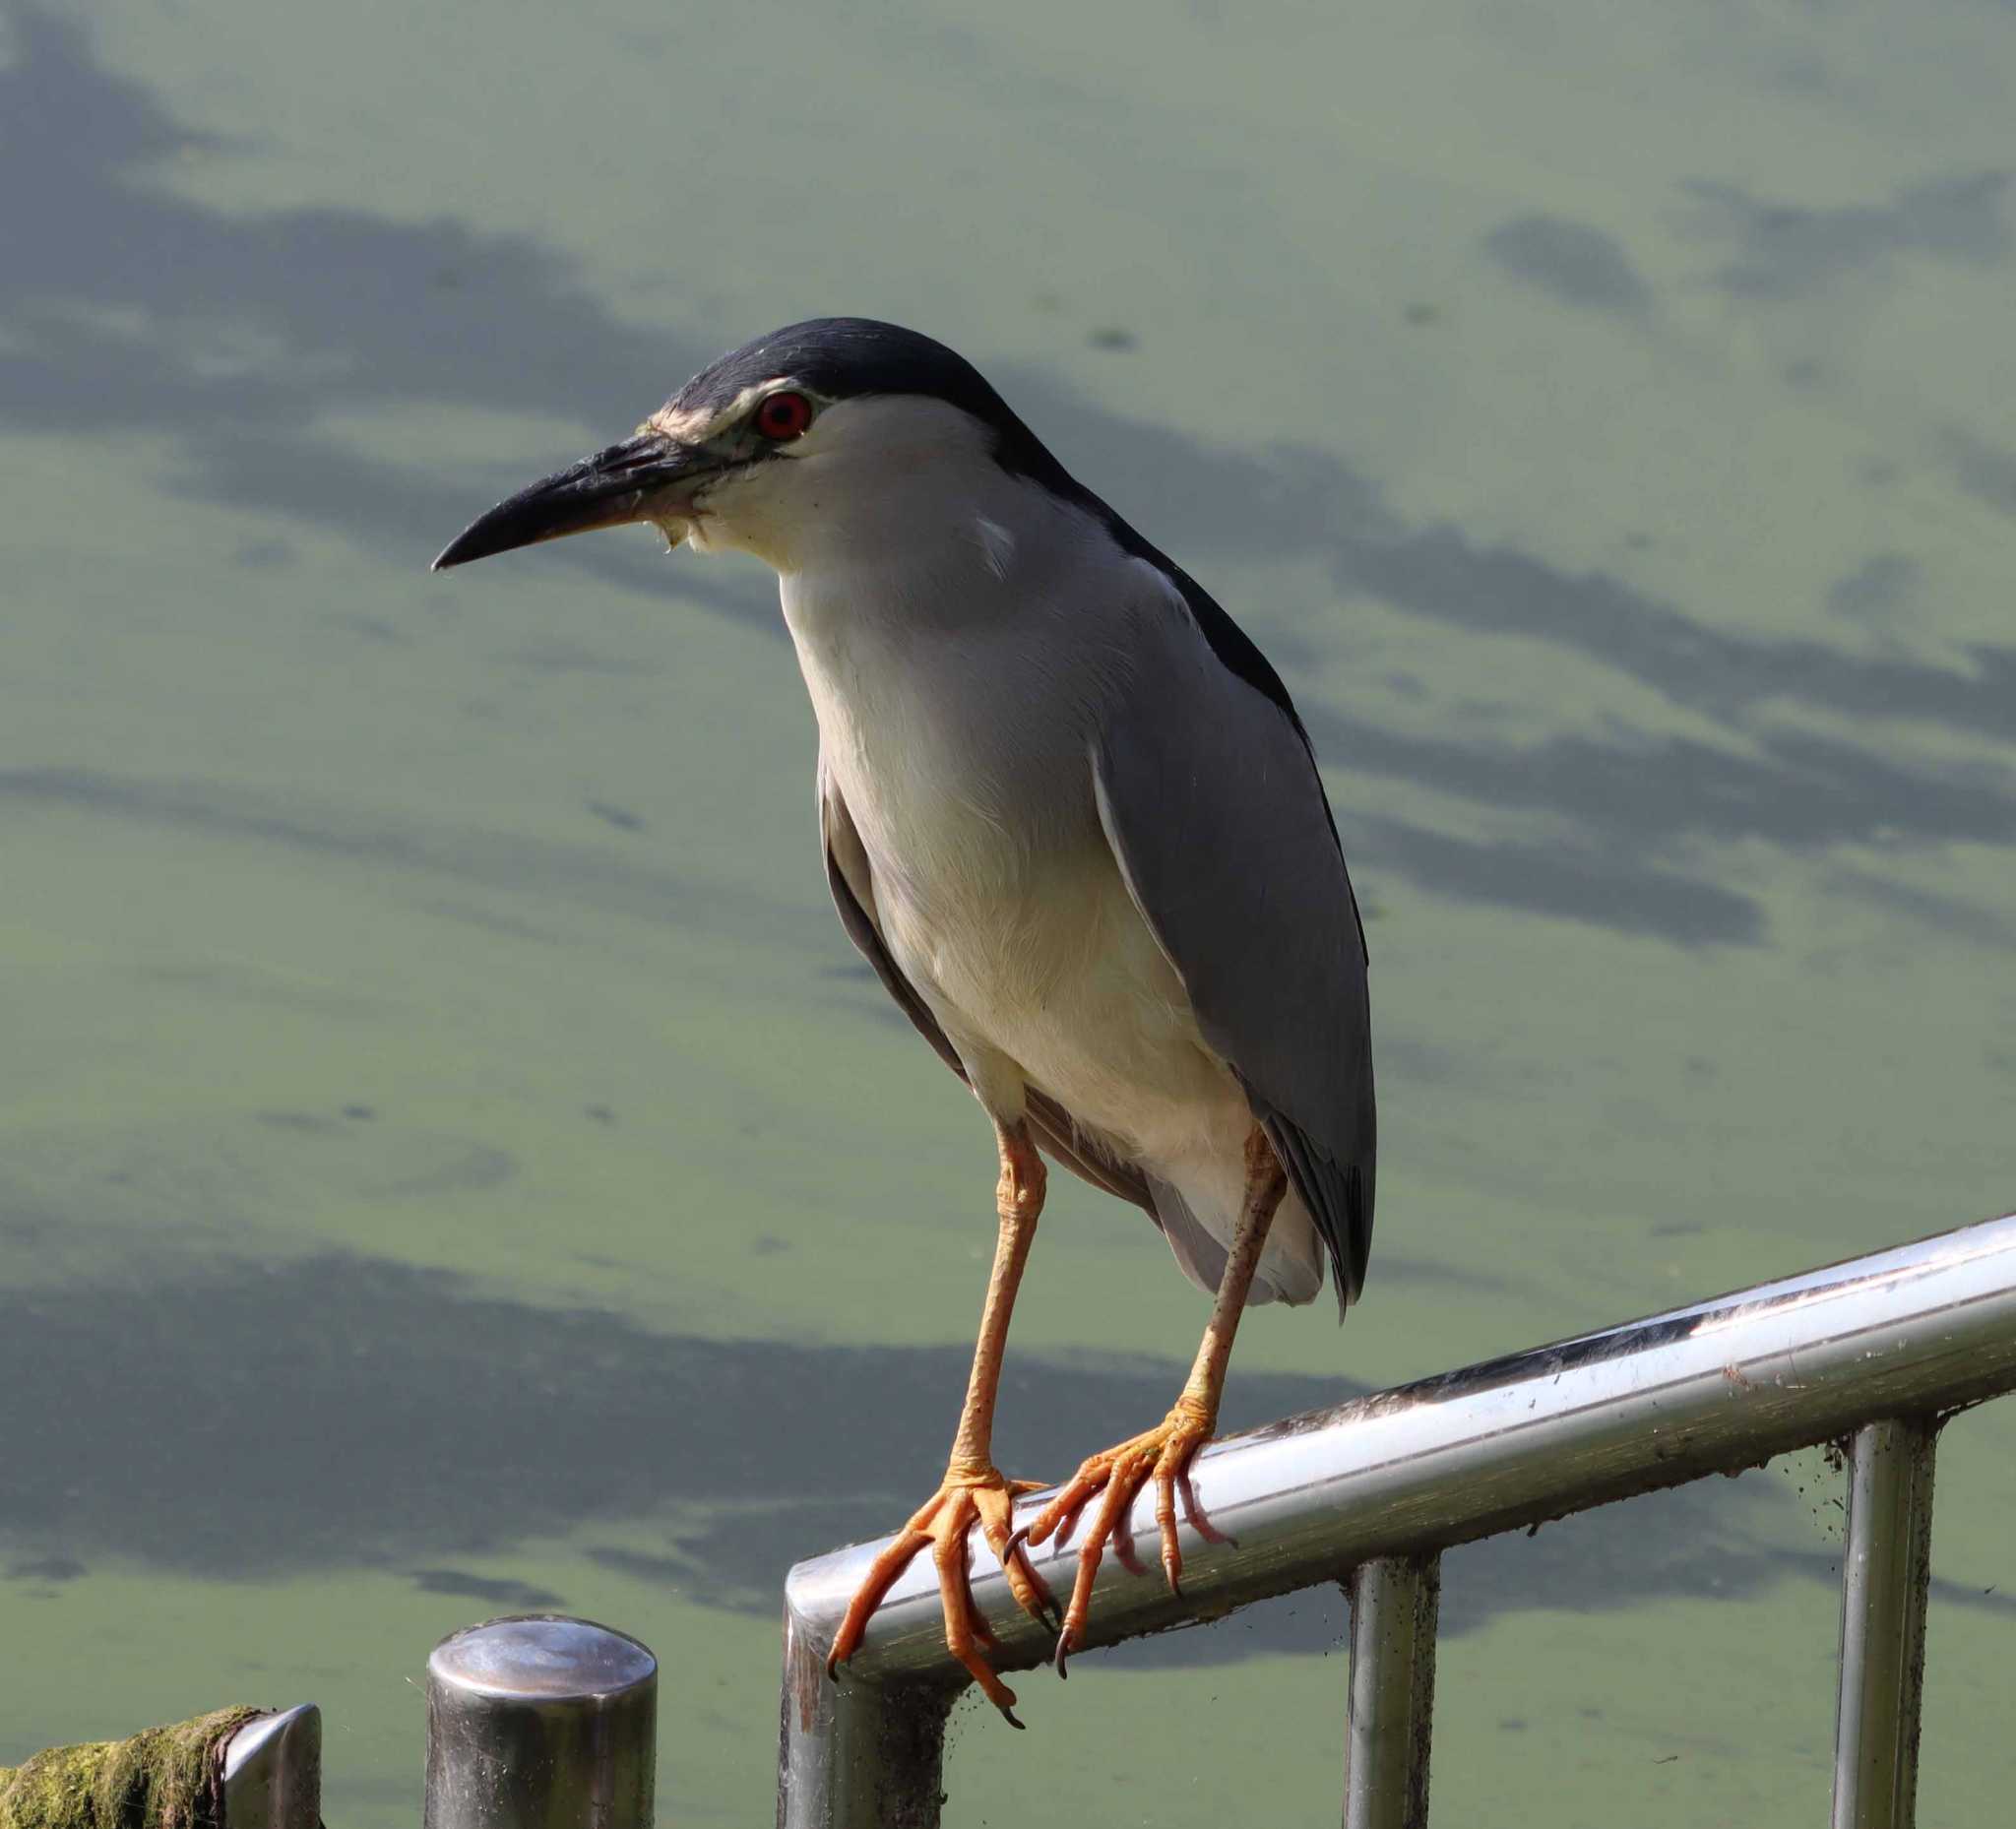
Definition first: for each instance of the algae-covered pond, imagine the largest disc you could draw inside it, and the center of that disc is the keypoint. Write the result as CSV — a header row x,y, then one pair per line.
x,y
452,1160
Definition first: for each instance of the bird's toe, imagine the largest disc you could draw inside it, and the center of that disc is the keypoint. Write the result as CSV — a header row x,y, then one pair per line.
x,y
944,1523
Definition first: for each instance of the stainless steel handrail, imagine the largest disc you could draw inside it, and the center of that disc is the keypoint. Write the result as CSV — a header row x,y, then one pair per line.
x,y
1908,1333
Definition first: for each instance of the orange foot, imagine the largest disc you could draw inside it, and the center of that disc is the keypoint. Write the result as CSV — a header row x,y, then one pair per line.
x,y
987,1498
1163,1454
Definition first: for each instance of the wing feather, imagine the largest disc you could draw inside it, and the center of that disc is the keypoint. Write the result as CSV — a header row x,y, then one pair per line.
x,y
1209,797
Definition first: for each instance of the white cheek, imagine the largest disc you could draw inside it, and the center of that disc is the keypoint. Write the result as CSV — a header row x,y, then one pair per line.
x,y
744,514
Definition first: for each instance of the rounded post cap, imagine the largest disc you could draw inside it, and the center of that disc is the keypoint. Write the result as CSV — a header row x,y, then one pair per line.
x,y
541,1657
537,1721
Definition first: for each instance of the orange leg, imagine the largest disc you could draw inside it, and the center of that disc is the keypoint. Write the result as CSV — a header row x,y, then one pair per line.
x,y
975,1490
1163,1453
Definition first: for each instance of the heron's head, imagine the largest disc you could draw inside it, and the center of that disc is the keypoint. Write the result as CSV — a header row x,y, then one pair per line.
x,y
831,432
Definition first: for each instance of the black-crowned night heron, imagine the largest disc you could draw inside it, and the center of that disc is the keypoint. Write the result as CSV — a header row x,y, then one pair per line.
x,y
1071,818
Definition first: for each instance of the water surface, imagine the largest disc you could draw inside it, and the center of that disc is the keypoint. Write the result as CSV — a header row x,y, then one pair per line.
x,y
453,1162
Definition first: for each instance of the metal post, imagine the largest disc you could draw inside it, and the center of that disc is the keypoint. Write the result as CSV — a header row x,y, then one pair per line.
x,y
273,1772
853,1755
1394,1603
1885,1570
541,1721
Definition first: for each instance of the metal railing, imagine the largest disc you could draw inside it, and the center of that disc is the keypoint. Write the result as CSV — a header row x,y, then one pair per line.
x,y
271,1774
1874,1352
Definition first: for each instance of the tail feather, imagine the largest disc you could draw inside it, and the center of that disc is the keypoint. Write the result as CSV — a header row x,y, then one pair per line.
x,y
1338,1197
1286,1274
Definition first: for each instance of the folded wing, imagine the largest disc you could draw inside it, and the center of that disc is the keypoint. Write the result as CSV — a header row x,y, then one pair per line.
x,y
1209,795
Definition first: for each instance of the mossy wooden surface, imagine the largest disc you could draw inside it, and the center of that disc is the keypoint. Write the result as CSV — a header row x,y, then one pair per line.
x,y
163,1778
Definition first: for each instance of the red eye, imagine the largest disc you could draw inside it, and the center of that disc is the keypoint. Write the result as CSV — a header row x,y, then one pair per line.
x,y
784,415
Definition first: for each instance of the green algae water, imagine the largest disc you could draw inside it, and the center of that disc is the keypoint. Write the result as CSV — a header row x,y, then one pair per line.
x,y
453,1162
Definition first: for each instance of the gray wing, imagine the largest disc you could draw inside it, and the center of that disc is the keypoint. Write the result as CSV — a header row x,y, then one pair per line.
x,y
853,894
1209,797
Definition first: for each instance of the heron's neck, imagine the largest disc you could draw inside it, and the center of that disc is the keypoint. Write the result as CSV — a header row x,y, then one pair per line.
x,y
990,605
939,553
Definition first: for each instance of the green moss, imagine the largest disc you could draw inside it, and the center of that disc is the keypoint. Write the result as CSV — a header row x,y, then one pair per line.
x,y
163,1778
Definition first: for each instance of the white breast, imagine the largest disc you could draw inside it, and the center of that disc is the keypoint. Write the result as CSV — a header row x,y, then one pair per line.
x,y
995,889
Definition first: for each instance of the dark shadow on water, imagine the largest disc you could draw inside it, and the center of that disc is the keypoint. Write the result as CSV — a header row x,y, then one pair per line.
x,y
250,1420
1987,472
258,1422
1568,881
1787,250
517,1595
236,336
1880,592
1574,263
611,876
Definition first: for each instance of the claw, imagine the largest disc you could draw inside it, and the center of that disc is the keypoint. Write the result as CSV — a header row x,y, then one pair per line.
x,y
1161,1454
944,1523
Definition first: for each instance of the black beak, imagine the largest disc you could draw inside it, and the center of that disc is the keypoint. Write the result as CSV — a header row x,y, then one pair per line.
x,y
640,478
